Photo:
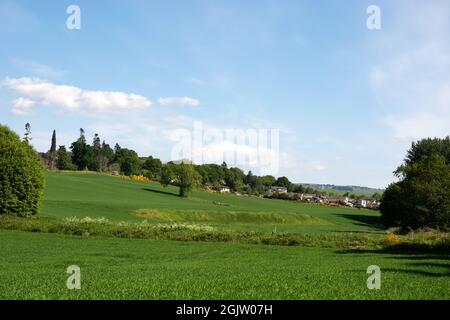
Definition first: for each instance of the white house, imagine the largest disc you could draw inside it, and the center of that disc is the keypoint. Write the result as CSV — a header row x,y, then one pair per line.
x,y
279,189
222,189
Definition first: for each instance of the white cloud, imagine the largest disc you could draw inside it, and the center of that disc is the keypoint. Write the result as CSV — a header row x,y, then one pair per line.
x,y
22,106
180,101
74,98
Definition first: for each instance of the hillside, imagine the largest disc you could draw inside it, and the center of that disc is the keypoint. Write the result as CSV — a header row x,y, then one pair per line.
x,y
81,194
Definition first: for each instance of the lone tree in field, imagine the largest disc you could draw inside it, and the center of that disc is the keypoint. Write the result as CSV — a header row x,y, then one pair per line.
x,y
182,175
422,196
21,176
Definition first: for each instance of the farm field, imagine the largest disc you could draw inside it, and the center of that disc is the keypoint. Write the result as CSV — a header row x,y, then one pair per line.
x,y
96,195
33,265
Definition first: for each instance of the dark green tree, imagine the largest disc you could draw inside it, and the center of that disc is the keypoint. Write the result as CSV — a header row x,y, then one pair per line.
x,y
21,176
421,198
82,153
52,157
63,162
106,156
27,136
283,182
182,175
128,160
234,179
153,167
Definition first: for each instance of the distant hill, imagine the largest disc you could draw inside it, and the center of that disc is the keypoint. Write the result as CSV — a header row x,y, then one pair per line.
x,y
357,190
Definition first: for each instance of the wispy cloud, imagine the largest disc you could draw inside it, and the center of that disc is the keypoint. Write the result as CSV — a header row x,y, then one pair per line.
x,y
412,84
38,69
179,101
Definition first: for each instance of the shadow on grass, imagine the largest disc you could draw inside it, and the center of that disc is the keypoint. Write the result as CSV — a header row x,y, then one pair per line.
x,y
162,192
416,259
364,220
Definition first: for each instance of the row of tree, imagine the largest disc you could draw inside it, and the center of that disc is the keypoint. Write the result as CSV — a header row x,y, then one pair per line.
x,y
99,156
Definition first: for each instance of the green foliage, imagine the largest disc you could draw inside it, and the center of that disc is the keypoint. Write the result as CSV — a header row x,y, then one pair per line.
x,y
422,196
153,167
82,153
267,181
64,162
128,160
21,176
427,147
53,145
283,182
234,179
212,173
105,157
182,175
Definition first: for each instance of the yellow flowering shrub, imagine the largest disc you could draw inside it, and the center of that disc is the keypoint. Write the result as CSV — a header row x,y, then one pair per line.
x,y
391,239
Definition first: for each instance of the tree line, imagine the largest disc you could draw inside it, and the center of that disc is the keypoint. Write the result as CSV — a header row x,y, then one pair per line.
x,y
99,156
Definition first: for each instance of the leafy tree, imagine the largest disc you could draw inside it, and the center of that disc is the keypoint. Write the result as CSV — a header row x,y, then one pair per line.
x,y
21,176
298,188
106,156
283,182
427,147
94,161
128,160
234,179
63,162
422,196
251,180
82,153
377,195
182,175
153,167
267,181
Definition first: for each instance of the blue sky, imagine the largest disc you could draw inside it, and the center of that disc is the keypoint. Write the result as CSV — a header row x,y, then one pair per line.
x,y
347,101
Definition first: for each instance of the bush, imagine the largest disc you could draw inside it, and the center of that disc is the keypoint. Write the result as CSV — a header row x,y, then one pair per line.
x,y
21,176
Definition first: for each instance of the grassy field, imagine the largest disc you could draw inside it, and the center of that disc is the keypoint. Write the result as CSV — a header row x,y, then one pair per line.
x,y
95,195
33,264
33,267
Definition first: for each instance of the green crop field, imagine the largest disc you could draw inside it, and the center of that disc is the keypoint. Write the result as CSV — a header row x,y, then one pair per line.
x,y
33,267
95,195
33,264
